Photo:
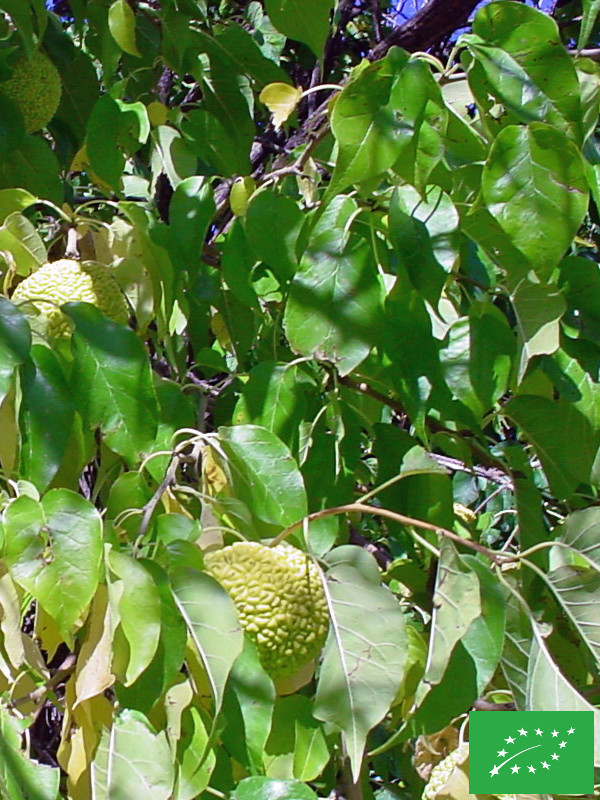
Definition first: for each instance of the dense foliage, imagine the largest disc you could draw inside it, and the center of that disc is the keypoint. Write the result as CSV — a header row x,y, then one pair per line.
x,y
364,318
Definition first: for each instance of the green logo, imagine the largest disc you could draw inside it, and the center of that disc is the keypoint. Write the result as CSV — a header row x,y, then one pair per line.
x,y
531,752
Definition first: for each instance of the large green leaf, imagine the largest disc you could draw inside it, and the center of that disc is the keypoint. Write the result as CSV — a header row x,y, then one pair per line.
x,y
580,531
591,8
578,591
484,638
456,604
538,308
137,609
191,209
536,82
15,343
212,623
375,116
334,302
534,184
132,760
46,396
22,778
365,653
259,788
273,224
265,477
53,550
304,20
274,397
562,437
112,382
549,690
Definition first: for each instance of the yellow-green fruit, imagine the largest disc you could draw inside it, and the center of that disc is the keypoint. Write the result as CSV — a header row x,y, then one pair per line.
x,y
65,280
442,771
36,88
280,601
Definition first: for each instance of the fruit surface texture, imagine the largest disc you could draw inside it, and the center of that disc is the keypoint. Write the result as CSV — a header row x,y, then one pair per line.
x,y
35,86
280,601
66,280
442,772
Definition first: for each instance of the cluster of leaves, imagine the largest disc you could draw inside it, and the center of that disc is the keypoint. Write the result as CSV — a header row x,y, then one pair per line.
x,y
369,324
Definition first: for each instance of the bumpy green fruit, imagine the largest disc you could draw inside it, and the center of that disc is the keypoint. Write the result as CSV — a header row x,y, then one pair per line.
x,y
442,771
65,280
36,88
280,601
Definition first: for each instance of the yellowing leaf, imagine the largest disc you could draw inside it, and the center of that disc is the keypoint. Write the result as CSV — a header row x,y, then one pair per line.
x,y
121,23
93,674
241,192
281,99
158,113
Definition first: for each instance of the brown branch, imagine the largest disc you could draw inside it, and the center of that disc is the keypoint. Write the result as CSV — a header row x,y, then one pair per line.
x,y
428,27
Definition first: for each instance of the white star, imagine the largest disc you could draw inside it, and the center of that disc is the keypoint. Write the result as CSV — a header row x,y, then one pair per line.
x,y
510,740
515,768
531,768
554,756
545,765
522,732
554,733
494,771
562,744
571,730
501,753
538,731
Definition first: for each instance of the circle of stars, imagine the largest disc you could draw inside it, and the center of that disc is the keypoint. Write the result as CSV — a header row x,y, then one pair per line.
x,y
543,764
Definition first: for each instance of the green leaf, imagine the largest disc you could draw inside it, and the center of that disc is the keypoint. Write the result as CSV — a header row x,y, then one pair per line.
x,y
536,173
137,608
105,127
580,531
33,166
275,398
456,604
193,768
549,690
334,301
132,760
22,241
425,233
245,54
53,550
212,622
259,788
538,308
296,748
112,382
364,656
46,396
273,224
578,591
265,477
373,118
190,211
255,694
304,20
14,200
210,140
484,639
534,83
170,652
121,23
15,343
515,654
561,436
591,8
22,778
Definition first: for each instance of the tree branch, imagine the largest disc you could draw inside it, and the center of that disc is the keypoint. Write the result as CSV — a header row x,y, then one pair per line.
x,y
430,25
